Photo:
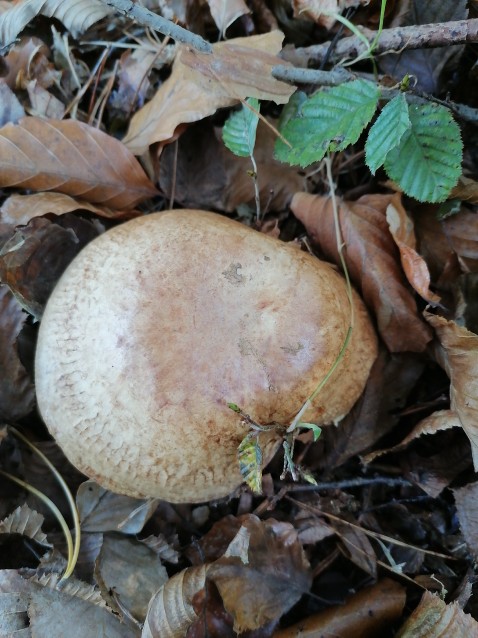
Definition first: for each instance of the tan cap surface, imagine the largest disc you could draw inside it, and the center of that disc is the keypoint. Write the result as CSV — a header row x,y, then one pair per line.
x,y
160,322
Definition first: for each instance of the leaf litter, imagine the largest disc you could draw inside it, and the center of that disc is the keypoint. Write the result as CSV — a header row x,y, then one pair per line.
x,y
396,491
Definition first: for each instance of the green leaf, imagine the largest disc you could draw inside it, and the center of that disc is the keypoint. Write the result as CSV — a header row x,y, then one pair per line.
x,y
311,426
249,455
234,407
387,132
239,131
330,120
427,162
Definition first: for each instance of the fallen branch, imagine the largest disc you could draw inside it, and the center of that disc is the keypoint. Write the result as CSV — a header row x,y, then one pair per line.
x,y
147,18
429,36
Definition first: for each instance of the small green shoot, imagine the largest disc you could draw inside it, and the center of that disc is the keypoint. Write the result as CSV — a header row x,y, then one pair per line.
x,y
239,135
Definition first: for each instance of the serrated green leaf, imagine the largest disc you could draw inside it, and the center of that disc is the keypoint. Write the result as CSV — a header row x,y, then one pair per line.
x,y
249,455
239,131
330,120
427,162
387,132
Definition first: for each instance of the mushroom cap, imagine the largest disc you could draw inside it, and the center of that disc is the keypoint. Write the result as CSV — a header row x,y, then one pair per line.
x,y
162,321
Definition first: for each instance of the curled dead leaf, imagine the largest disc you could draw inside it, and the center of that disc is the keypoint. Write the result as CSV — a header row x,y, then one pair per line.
x,y
202,83
372,260
459,356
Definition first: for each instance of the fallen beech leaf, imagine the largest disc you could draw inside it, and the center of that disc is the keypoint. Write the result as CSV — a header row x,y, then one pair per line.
x,y
414,266
76,15
436,422
18,210
214,178
323,12
466,500
459,352
43,103
225,12
37,254
132,571
17,396
372,260
357,548
365,615
171,612
200,84
433,618
466,189
263,573
28,60
27,522
10,108
73,158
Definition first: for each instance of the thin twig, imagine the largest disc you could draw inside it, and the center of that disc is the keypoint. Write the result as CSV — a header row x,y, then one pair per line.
x,y
349,483
429,36
147,18
296,75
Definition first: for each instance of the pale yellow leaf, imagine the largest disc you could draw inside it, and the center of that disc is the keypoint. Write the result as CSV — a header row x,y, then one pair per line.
x,y
225,12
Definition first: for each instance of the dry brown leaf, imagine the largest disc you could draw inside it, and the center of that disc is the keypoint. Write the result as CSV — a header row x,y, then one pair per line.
x,y
365,615
18,210
357,548
171,612
214,178
436,422
76,15
27,522
466,500
414,266
433,618
323,12
372,260
33,259
225,12
43,103
459,355
441,243
73,158
17,395
263,573
202,83
10,108
466,189
28,60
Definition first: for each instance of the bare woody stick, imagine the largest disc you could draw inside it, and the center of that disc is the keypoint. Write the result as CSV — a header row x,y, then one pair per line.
x,y
420,36
149,19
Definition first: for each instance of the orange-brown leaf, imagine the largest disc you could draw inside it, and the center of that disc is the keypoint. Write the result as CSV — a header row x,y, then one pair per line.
x,y
459,355
365,614
16,389
73,158
373,262
202,83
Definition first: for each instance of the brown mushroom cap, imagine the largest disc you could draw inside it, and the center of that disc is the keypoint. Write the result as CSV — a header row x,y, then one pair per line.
x,y
160,322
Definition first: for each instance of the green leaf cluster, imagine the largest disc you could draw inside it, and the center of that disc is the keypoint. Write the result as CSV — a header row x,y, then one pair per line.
x,y
239,131
419,146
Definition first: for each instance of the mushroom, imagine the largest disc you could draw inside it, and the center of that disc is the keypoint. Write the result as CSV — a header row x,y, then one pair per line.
x,y
162,321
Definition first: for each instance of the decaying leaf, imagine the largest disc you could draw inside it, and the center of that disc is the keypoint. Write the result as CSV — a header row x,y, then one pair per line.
x,y
433,618
357,548
104,511
73,158
436,422
202,83
366,614
130,570
414,266
466,499
263,573
16,389
76,15
459,354
372,260
171,612
27,522
33,259
323,12
18,210
10,108
225,12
